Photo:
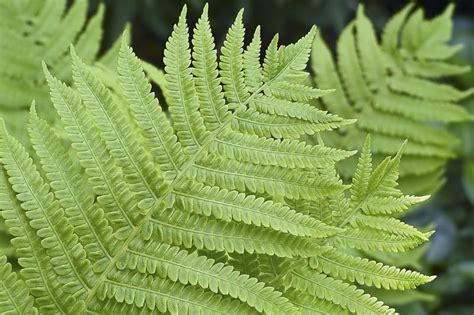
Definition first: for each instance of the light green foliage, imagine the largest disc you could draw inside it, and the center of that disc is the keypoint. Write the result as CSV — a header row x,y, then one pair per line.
x,y
392,88
33,31
15,296
220,209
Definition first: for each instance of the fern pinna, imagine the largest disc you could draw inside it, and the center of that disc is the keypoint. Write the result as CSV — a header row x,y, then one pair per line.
x,y
221,209
392,90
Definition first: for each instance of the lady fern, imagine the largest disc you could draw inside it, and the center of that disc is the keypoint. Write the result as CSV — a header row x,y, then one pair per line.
x,y
220,209
392,90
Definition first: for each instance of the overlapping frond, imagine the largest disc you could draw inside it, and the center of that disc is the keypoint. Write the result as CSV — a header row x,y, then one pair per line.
x,y
392,88
219,207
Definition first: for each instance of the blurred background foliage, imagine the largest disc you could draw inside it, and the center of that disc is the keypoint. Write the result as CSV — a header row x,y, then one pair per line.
x,y
450,254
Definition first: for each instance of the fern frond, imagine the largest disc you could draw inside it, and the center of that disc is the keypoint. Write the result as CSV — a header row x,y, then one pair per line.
x,y
266,125
40,31
313,305
268,151
105,177
157,294
370,55
390,225
221,205
48,293
211,99
420,109
118,136
231,64
428,90
350,68
390,205
180,92
301,111
333,101
251,63
274,180
367,184
203,233
376,240
271,62
295,92
384,144
390,34
399,127
360,181
390,88
72,191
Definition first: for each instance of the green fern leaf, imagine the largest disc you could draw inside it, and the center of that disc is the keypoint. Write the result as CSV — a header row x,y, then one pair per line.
x,y
390,88
179,266
313,305
226,206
